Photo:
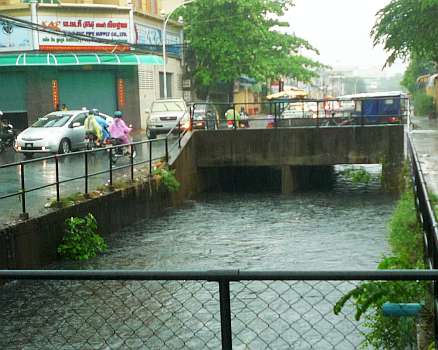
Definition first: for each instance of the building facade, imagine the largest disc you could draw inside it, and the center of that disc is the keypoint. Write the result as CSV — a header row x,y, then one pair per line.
x,y
40,70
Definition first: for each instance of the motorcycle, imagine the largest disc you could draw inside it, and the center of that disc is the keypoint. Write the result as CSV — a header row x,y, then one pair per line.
x,y
119,152
7,136
91,141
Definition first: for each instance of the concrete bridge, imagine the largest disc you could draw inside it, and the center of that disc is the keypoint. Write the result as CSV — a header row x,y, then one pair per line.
x,y
298,153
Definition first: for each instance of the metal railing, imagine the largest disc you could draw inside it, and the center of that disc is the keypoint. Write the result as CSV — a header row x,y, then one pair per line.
x,y
427,218
175,134
298,113
183,310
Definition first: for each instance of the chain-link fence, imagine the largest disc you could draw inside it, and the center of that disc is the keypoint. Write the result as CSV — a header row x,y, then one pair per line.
x,y
151,310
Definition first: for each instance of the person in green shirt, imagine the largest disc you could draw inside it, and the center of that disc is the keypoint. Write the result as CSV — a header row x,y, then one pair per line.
x,y
232,116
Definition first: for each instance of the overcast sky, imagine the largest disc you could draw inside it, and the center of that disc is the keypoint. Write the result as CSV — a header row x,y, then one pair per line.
x,y
340,30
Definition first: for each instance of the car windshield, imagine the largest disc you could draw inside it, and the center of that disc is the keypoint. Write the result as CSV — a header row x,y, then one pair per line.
x,y
168,106
201,108
52,121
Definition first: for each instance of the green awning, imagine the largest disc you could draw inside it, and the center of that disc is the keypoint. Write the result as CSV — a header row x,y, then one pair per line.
x,y
70,59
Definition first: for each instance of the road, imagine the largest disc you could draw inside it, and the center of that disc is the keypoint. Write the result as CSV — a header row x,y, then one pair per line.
x,y
43,172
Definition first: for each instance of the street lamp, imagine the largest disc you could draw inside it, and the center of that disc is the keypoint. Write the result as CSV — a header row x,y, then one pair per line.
x,y
164,43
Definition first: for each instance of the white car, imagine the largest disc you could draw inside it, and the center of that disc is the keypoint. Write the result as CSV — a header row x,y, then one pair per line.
x,y
57,132
164,115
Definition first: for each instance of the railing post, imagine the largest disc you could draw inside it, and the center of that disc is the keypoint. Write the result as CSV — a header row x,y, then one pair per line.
x,y
179,133
132,161
57,177
275,114
317,114
111,166
225,309
23,215
234,116
167,149
361,114
86,172
150,157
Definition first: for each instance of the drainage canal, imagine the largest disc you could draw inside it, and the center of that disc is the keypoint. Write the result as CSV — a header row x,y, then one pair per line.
x,y
341,227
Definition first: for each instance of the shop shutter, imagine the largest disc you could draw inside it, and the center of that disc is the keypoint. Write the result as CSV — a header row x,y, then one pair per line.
x,y
13,92
95,89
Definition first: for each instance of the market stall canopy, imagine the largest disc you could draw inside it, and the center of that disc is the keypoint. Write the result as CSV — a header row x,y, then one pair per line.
x,y
32,59
291,93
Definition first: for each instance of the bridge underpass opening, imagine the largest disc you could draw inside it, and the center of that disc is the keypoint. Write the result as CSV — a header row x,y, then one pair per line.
x,y
285,179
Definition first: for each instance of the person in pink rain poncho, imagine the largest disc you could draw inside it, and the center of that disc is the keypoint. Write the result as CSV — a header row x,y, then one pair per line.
x,y
118,128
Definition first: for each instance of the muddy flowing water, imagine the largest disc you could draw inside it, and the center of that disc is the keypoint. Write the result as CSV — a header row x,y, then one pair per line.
x,y
342,228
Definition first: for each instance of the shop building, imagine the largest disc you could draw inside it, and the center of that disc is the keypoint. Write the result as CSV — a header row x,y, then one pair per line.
x,y
40,71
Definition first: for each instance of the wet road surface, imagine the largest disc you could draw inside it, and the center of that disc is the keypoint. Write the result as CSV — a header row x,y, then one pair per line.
x,y
425,136
43,172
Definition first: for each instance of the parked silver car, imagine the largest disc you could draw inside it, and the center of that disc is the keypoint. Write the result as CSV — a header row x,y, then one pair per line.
x,y
164,115
57,132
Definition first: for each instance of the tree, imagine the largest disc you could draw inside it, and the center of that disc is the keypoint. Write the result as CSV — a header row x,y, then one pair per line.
x,y
408,27
417,67
232,38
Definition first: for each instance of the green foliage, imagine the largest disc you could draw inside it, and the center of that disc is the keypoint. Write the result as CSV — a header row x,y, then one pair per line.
x,y
424,104
233,38
417,67
68,201
405,237
405,234
81,240
358,176
167,177
408,27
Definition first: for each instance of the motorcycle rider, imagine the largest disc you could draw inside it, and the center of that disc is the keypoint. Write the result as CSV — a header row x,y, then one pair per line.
x,y
92,127
7,133
103,123
119,130
232,117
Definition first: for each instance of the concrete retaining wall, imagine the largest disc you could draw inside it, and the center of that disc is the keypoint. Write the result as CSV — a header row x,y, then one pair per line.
x,y
301,146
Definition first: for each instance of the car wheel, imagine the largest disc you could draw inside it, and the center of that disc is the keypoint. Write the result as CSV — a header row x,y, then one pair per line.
x,y
64,146
151,135
28,155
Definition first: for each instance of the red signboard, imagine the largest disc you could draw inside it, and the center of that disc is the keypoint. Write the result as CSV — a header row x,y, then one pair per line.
x,y
121,97
55,95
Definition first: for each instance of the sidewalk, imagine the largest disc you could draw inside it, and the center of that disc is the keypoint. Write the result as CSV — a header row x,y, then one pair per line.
x,y
425,138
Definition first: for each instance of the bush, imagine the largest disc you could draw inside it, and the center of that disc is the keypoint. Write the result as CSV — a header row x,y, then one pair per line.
x,y
358,176
423,103
167,177
81,240
405,237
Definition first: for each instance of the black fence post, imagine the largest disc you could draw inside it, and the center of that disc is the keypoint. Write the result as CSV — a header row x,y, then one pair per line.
x,y
179,133
167,149
234,116
362,121
132,161
24,215
150,157
317,114
57,177
111,166
86,172
225,309
275,114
